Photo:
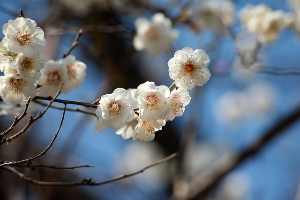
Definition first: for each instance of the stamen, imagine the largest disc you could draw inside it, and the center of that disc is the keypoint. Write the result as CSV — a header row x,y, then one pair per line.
x,y
23,37
114,108
16,85
53,77
152,101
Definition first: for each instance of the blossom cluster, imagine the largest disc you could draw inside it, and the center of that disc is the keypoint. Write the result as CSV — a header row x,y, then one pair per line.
x,y
68,70
21,61
263,22
213,15
154,36
139,113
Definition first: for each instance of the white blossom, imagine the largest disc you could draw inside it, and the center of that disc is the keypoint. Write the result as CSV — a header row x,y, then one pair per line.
x,y
152,101
53,75
17,109
7,58
76,73
29,67
145,130
15,89
214,15
189,68
23,36
127,131
295,5
114,110
154,36
264,23
180,98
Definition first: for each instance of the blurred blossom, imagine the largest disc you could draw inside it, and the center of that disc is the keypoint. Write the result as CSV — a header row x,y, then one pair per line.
x,y
78,7
257,100
154,36
231,107
138,155
262,97
17,109
295,5
215,15
263,22
248,61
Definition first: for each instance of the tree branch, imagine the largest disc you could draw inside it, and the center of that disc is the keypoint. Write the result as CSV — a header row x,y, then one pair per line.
x,y
16,120
68,109
29,160
88,182
31,121
33,166
87,105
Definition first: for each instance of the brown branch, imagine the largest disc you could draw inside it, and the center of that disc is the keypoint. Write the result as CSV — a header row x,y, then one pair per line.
x,y
211,179
88,182
16,120
87,105
31,120
68,109
33,166
29,160
74,44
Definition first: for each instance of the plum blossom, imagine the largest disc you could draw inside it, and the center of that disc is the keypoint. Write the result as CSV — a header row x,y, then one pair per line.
x,y
295,5
14,89
127,131
180,98
23,36
263,22
29,67
189,68
76,73
53,75
145,130
154,36
7,58
152,101
115,110
214,15
17,109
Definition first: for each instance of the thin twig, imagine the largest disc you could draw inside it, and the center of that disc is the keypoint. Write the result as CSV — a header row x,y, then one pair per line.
x,y
88,182
32,166
172,86
16,120
74,44
87,105
68,109
31,121
29,160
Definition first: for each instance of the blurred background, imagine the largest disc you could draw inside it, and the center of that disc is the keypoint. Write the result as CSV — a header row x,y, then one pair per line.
x,y
235,108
